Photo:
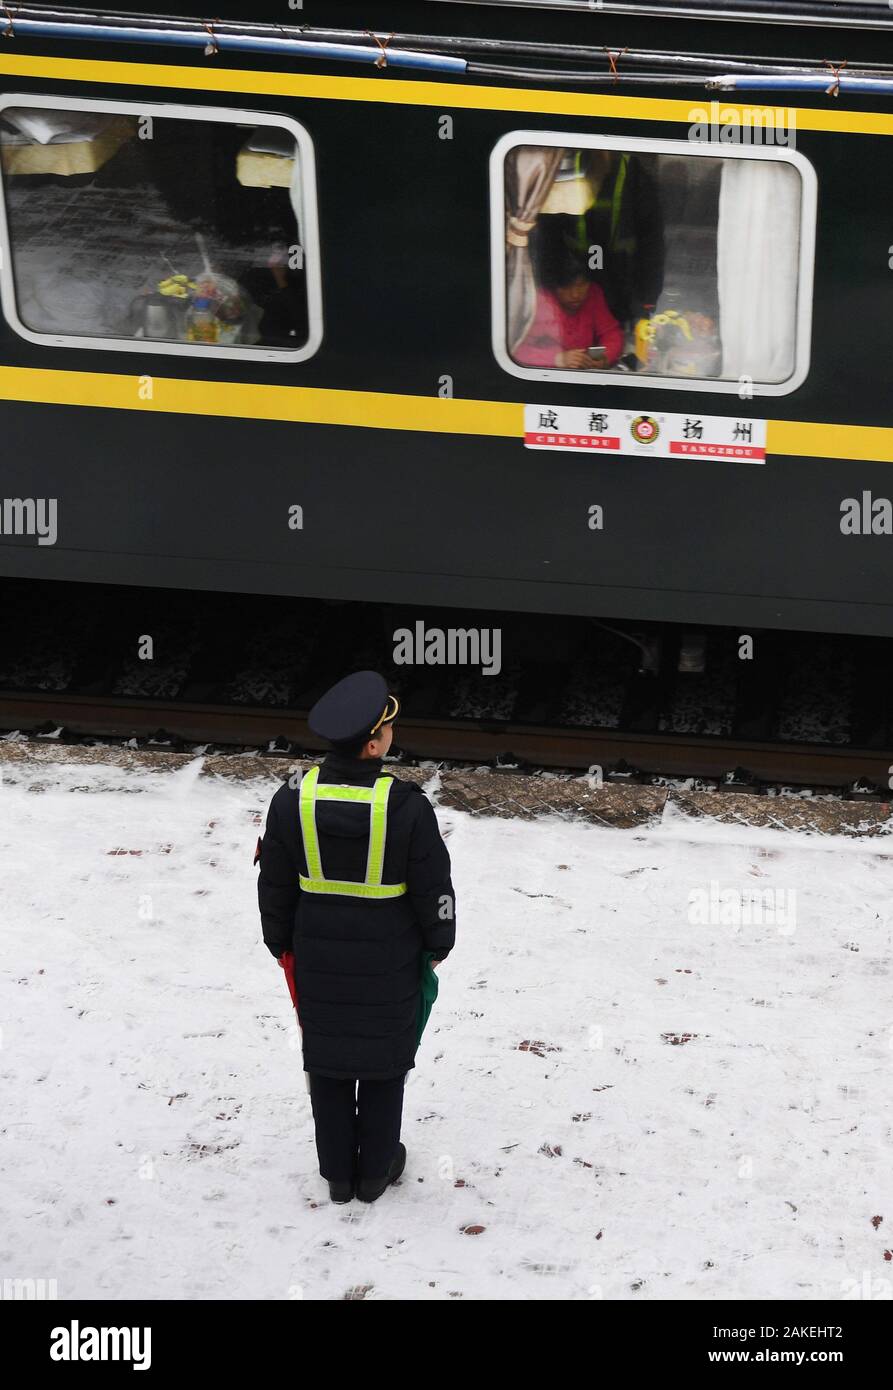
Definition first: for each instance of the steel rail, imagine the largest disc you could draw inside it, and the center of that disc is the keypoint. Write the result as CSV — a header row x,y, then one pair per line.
x,y
681,755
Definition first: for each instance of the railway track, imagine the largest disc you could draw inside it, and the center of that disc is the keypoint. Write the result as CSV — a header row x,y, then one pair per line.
x,y
622,756
809,711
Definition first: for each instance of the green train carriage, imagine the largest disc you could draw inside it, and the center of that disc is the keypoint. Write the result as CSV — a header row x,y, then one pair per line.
x,y
267,276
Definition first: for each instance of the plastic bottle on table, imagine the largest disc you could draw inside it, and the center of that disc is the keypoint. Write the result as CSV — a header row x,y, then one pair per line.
x,y
202,325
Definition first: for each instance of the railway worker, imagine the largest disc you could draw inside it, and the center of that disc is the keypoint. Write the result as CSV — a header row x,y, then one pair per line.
x,y
355,881
627,220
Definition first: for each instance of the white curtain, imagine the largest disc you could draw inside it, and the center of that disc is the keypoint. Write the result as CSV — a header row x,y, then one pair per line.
x,y
758,250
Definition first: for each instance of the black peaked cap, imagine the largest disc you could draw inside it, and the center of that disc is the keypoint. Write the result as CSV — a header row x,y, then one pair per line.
x,y
353,708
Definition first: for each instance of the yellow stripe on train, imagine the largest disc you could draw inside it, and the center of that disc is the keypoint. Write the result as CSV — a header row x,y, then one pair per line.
x,y
442,95
371,409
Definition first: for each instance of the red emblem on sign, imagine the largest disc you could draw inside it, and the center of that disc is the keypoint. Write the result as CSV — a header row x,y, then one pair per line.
x,y
644,429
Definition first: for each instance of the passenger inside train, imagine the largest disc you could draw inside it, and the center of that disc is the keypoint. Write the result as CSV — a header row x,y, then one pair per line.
x,y
572,326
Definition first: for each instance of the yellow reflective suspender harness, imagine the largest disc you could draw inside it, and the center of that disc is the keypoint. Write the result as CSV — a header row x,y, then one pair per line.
x,y
377,798
612,204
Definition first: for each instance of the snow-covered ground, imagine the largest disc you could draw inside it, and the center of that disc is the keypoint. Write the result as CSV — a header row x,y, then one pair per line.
x,y
618,1096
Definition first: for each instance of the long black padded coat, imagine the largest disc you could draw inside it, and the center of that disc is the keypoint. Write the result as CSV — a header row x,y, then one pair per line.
x,y
357,962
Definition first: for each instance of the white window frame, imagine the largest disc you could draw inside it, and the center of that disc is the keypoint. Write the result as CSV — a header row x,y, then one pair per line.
x,y
309,233
635,144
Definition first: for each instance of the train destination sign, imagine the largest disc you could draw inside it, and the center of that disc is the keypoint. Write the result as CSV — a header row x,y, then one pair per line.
x,y
579,430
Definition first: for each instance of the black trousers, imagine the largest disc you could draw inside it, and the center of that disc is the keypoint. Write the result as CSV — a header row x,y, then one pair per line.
x,y
357,1125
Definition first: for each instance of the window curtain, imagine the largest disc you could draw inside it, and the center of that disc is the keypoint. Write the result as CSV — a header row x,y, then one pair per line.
x,y
757,260
529,174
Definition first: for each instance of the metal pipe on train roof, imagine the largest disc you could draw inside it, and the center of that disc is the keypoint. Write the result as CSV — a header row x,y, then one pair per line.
x,y
584,79
264,39
823,14
451,43
500,49
381,55
806,82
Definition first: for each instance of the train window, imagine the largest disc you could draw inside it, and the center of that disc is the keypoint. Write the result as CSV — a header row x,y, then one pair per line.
x,y
662,262
172,229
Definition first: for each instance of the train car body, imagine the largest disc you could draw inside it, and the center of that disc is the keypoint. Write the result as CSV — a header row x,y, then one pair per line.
x,y
289,320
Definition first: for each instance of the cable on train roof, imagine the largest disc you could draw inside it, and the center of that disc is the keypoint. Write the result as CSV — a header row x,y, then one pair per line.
x,y
464,45
420,52
272,43
826,14
811,82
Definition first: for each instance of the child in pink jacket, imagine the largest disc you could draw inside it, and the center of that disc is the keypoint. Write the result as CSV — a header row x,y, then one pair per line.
x,y
571,315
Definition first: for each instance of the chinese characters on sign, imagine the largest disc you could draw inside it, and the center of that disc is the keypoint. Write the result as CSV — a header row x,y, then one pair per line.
x,y
664,436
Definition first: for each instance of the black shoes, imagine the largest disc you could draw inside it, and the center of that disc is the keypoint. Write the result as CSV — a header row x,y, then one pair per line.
x,y
370,1189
